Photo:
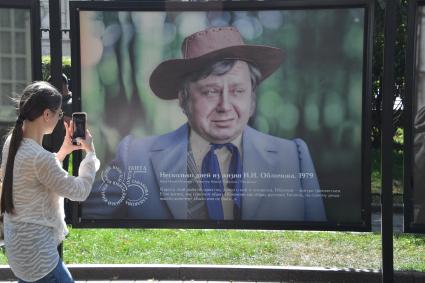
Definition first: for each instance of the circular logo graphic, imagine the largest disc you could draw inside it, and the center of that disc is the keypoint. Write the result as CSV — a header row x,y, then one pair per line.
x,y
137,194
117,187
113,190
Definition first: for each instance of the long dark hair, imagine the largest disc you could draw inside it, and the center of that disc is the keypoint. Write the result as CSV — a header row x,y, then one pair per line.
x,y
35,98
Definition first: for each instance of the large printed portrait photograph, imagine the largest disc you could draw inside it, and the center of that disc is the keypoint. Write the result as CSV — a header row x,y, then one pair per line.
x,y
225,116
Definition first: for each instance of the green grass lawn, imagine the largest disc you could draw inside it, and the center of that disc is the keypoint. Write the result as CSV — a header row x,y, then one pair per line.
x,y
275,248
397,172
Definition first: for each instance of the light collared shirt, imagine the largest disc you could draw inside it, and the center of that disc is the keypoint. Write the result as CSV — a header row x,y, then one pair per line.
x,y
200,148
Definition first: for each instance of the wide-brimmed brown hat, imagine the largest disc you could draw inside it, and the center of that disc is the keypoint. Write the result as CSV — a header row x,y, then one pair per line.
x,y
206,47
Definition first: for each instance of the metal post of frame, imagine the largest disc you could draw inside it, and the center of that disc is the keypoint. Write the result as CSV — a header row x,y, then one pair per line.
x,y
386,142
37,73
55,43
56,52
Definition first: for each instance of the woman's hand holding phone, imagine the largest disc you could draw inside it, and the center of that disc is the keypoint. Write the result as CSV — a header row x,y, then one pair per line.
x,y
68,146
87,143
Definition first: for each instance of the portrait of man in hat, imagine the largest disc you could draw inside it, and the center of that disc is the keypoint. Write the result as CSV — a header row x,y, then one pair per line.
x,y
215,166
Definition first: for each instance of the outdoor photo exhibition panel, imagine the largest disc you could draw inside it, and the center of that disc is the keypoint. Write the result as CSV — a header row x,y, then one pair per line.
x,y
225,115
414,202
20,54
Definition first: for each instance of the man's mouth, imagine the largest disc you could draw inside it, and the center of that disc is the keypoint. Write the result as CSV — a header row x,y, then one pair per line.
x,y
223,122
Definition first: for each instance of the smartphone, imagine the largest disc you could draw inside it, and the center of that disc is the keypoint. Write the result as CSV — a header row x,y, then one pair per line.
x,y
79,120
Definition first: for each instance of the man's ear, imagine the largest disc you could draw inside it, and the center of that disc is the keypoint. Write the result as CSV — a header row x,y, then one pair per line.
x,y
182,102
180,96
253,103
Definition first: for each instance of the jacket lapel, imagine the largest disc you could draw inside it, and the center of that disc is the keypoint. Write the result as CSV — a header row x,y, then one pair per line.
x,y
257,158
169,160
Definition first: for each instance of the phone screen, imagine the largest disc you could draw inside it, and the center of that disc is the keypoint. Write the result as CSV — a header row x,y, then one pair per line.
x,y
79,125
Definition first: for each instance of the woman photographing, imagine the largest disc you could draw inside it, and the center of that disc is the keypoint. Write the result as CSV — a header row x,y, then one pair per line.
x,y
34,185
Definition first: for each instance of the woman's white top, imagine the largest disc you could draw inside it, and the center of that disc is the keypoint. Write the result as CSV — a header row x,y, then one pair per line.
x,y
32,234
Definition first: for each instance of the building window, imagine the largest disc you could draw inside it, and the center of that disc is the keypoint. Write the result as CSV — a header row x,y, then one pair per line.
x,y
15,58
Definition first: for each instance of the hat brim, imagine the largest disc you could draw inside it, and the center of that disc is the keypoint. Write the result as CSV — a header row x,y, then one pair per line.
x,y
165,81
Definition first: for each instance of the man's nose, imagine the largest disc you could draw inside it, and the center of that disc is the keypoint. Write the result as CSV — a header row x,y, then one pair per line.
x,y
224,100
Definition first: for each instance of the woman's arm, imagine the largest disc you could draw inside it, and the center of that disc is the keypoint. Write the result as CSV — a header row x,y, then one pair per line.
x,y
50,173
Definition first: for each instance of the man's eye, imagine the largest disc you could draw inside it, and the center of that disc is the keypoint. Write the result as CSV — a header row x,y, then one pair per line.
x,y
240,91
210,92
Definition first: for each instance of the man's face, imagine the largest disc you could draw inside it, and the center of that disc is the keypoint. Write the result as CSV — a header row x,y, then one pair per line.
x,y
65,90
220,106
